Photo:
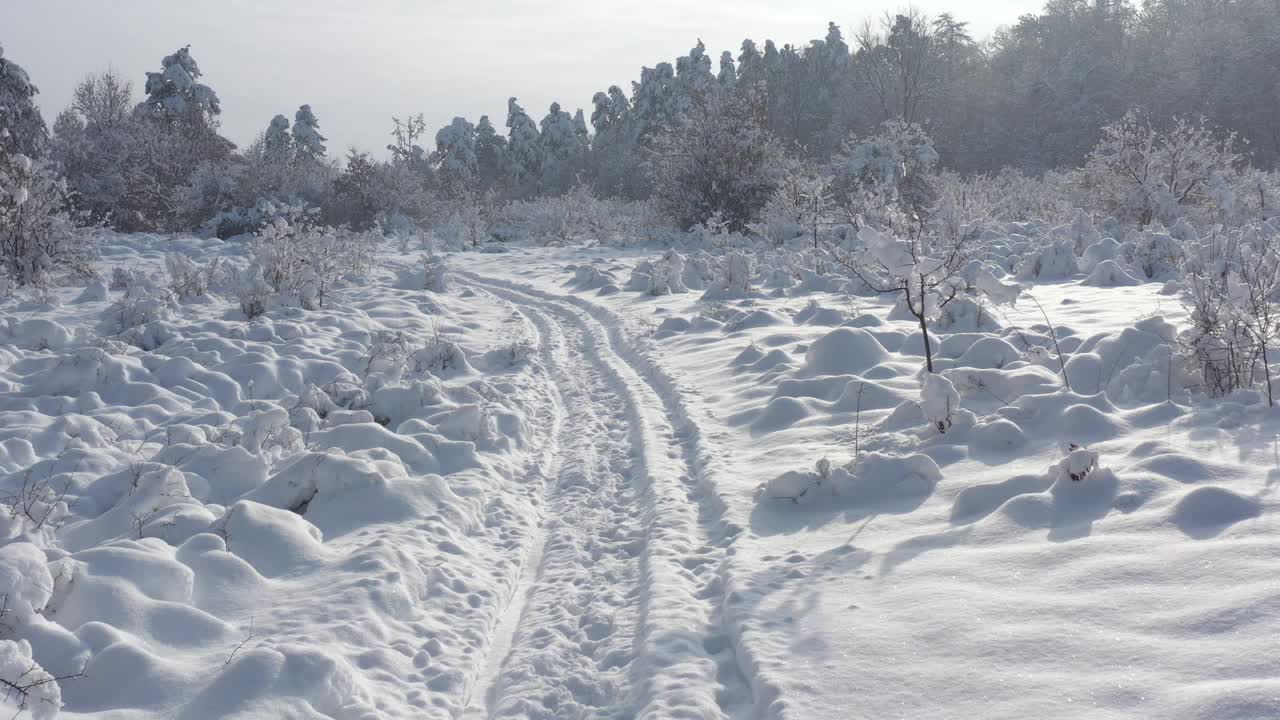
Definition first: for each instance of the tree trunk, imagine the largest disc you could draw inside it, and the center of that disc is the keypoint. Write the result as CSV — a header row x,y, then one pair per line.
x,y
1266,369
924,330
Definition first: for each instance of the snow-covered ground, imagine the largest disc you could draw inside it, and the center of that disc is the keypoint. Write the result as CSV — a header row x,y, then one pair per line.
x,y
531,492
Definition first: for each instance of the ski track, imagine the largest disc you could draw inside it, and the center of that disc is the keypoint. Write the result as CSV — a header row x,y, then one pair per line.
x,y
620,606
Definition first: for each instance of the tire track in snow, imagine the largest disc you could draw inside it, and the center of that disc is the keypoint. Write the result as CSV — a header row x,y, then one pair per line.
x,y
569,650
684,663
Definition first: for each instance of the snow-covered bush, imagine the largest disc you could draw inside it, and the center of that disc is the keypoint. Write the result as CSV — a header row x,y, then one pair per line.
x,y
1153,253
38,236
190,279
939,401
1234,309
1053,261
27,685
719,159
302,264
435,273
577,216
1141,174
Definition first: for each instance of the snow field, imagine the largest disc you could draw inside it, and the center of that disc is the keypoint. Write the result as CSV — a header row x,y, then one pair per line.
x,y
966,572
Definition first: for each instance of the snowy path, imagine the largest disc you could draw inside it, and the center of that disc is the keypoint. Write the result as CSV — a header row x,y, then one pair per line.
x,y
619,610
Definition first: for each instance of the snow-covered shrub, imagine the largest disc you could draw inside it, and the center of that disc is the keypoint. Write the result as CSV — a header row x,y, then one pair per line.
x,y
719,160
939,401
301,264
1234,309
1141,174
138,316
38,236
926,274
1053,261
663,276
577,216
190,279
803,204
1153,254
27,685
468,221
733,277
435,273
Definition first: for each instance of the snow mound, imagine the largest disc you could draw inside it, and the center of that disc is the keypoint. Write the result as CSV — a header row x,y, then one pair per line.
x,y
842,351
1108,273
1208,511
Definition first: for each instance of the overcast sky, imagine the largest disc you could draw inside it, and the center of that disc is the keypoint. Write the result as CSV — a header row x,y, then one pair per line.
x,y
358,63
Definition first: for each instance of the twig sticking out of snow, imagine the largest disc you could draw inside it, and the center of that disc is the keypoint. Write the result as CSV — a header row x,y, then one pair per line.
x,y
1053,333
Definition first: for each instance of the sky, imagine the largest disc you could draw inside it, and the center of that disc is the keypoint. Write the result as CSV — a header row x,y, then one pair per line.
x,y
358,64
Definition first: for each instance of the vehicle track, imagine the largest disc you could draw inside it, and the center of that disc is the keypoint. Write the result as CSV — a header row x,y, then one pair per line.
x,y
621,616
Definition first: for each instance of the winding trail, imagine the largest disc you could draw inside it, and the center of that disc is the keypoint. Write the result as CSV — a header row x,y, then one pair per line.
x,y
618,612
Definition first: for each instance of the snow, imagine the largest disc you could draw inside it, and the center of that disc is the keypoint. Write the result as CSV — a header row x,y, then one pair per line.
x,y
516,485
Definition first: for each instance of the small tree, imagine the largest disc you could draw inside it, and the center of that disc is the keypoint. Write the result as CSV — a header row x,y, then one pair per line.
x,y
888,178
718,160
927,275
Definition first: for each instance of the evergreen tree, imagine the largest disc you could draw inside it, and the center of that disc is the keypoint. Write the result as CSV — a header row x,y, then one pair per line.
x,y
277,143
459,168
524,147
491,155
22,129
307,140
562,151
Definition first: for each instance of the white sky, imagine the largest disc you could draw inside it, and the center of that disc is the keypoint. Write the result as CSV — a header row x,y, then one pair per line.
x,y
359,62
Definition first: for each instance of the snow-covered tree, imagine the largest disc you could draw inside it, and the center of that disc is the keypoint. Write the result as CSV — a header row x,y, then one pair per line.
x,y
22,128
459,168
719,161
175,93
562,152
581,130
924,272
1141,174
889,177
750,64
308,143
524,148
728,73
180,118
101,149
38,236
277,142
491,154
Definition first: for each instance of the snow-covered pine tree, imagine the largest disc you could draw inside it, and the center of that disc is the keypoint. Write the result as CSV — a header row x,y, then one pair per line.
x,y
175,93
277,143
22,129
524,147
581,130
459,168
307,141
750,64
728,73
181,128
491,155
562,152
